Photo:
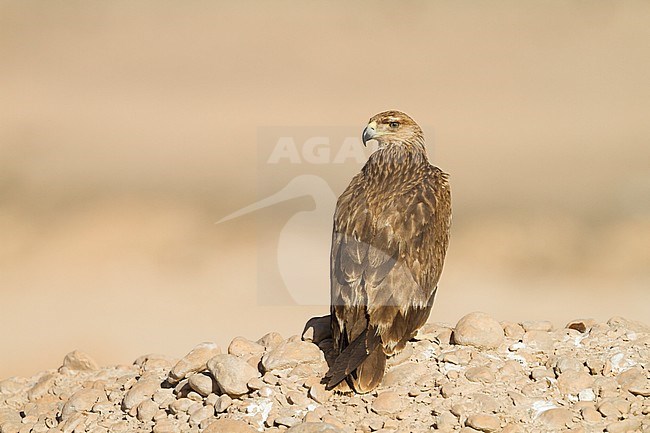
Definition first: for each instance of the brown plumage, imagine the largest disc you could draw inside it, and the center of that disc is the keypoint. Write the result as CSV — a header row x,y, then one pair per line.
x,y
391,231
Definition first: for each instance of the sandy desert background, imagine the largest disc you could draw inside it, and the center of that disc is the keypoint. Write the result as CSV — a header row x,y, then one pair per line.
x,y
127,129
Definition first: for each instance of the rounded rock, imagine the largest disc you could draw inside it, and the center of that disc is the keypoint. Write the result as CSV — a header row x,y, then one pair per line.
x,y
142,390
479,330
201,383
480,374
82,400
483,422
231,374
79,361
314,427
556,418
196,360
241,346
146,410
291,353
404,374
225,425
572,382
387,402
624,426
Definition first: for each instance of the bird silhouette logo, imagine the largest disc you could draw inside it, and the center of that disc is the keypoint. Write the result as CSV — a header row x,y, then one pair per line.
x,y
303,243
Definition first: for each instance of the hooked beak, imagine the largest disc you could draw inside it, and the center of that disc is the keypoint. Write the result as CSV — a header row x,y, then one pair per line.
x,y
369,132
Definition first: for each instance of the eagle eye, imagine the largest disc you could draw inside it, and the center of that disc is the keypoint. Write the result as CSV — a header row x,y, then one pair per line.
x,y
394,125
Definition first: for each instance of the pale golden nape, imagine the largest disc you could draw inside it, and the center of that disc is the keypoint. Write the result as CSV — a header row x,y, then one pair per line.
x,y
391,231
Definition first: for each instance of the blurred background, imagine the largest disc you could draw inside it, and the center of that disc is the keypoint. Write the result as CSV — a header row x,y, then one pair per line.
x,y
127,129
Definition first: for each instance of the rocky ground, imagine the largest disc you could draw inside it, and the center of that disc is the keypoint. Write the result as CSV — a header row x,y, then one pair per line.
x,y
480,375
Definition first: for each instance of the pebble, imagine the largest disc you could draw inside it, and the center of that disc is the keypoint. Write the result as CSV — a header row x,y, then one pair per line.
x,y
163,426
484,423
388,402
195,361
271,340
572,382
287,421
146,410
566,363
319,394
513,330
224,425
602,383
231,374
446,421
540,341
556,418
315,427
202,383
288,354
41,387
590,415
142,390
537,325
222,403
479,330
241,346
82,400
79,361
626,425
480,374
581,325
181,405
201,414
404,374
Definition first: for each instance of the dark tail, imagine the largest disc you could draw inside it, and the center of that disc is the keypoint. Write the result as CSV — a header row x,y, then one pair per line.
x,y
363,361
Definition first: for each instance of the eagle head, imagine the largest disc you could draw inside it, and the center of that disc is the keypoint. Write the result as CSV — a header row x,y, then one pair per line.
x,y
392,127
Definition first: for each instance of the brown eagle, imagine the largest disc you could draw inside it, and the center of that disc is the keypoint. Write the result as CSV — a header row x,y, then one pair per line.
x,y
390,237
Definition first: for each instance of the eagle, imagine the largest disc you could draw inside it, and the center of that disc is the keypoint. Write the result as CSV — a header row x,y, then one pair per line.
x,y
390,237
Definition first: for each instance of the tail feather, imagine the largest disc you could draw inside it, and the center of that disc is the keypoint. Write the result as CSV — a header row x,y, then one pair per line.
x,y
371,371
347,361
363,361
